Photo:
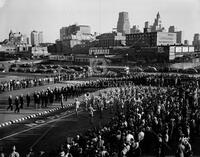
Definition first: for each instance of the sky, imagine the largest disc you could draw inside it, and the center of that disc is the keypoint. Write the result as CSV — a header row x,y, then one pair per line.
x,y
102,15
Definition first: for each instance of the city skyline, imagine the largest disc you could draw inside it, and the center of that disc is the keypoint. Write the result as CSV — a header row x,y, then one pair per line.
x,y
50,15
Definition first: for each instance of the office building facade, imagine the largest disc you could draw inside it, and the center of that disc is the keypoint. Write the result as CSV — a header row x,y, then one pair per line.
x,y
36,38
179,34
79,32
157,25
135,29
123,24
110,40
179,37
75,35
17,38
151,39
196,41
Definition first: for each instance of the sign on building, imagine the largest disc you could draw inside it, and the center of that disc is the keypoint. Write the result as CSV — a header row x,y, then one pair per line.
x,y
99,51
164,38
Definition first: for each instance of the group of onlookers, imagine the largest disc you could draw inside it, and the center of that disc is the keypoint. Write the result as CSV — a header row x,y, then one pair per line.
x,y
153,115
25,83
37,81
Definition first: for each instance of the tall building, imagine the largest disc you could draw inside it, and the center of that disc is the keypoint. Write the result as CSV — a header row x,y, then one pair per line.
x,y
179,34
157,25
25,39
146,24
17,38
186,42
79,32
75,36
135,29
36,38
179,37
196,42
123,24
171,29
147,27
40,37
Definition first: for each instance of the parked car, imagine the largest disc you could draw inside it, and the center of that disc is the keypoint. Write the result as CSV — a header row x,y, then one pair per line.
x,y
12,70
21,70
2,70
51,71
191,71
150,69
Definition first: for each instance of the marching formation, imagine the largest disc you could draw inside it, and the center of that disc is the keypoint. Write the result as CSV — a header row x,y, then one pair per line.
x,y
148,120
11,85
153,114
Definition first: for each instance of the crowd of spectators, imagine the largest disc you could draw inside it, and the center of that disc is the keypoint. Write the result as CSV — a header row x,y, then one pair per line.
x,y
11,85
44,98
153,115
148,120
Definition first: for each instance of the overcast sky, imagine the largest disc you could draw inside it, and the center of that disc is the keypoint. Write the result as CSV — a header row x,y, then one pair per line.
x,y
102,15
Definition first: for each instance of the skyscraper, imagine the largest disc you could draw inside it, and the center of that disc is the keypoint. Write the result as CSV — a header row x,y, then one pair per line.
x,y
123,24
186,42
79,32
157,25
36,38
146,24
179,34
196,41
179,37
135,29
147,27
171,29
40,37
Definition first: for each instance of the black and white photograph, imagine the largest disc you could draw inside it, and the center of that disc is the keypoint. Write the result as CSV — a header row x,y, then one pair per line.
x,y
99,78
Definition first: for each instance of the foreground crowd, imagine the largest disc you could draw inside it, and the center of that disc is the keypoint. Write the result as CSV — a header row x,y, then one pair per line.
x,y
148,120
155,115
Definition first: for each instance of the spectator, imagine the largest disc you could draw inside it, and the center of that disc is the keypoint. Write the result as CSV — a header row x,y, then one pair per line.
x,y
77,105
2,154
14,153
30,153
21,99
28,99
10,103
17,109
62,100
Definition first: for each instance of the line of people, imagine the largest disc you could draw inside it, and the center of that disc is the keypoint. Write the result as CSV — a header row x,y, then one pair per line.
x,y
18,102
149,118
33,82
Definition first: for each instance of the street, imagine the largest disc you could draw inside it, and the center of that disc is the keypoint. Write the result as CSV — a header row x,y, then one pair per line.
x,y
47,132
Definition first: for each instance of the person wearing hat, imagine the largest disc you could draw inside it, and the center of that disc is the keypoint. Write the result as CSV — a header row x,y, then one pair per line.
x,y
62,154
17,104
14,153
181,148
134,149
30,153
62,100
21,99
77,105
91,113
28,99
10,103
2,154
